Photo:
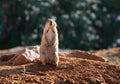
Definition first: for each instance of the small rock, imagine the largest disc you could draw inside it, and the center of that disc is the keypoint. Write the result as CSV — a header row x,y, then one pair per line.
x,y
94,81
69,81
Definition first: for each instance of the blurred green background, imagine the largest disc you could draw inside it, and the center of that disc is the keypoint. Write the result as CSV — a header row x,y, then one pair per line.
x,y
82,24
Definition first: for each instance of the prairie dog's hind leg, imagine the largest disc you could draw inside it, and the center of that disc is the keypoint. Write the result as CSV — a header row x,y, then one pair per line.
x,y
56,59
42,58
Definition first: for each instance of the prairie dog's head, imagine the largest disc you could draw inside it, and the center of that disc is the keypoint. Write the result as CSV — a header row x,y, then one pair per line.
x,y
50,23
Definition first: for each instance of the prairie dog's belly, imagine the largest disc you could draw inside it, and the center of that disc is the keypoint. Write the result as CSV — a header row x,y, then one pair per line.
x,y
50,35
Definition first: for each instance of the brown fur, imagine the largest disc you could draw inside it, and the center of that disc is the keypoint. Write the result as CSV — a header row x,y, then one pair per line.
x,y
49,44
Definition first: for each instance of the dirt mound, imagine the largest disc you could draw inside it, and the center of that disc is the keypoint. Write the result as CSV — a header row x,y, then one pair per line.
x,y
112,54
86,55
75,67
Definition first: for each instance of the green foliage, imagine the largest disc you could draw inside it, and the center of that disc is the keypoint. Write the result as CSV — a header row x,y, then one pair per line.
x,y
82,24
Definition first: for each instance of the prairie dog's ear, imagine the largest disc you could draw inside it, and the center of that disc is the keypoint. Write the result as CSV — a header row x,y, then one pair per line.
x,y
48,19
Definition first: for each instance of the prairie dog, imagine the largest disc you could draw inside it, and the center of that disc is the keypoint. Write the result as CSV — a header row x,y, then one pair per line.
x,y
49,44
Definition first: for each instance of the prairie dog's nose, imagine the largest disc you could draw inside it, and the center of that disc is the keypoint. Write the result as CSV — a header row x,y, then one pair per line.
x,y
50,21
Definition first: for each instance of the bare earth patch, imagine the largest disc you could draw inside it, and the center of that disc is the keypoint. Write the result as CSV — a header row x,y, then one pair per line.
x,y
75,67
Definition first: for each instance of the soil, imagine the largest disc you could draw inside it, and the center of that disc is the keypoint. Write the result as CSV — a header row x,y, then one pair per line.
x,y
75,67
112,54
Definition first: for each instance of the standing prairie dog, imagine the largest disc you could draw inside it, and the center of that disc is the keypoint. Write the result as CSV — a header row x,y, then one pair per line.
x,y
49,44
